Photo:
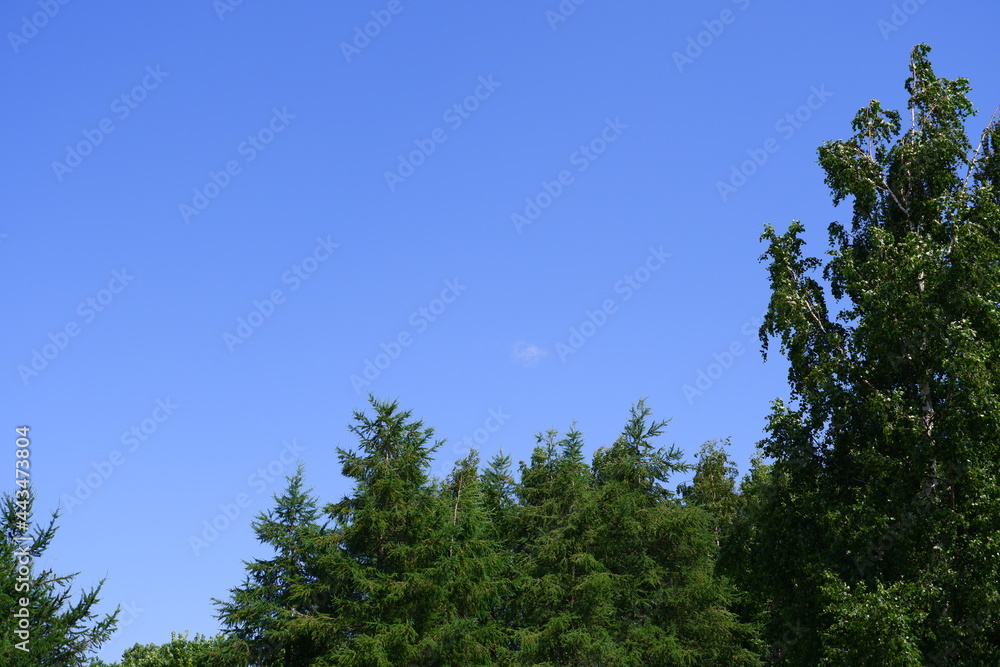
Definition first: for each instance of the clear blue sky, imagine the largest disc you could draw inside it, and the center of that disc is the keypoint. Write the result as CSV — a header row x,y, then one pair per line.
x,y
174,167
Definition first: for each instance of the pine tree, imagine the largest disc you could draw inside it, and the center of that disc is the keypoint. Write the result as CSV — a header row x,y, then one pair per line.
x,y
499,490
739,551
884,512
276,618
60,631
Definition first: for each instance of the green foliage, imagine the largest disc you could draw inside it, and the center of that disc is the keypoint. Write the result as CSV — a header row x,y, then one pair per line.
x,y
880,627
61,631
200,651
714,487
410,562
571,564
874,535
277,616
613,569
470,576
561,606
873,538
662,555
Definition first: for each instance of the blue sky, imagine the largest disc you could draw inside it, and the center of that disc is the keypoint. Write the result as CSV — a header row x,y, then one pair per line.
x,y
222,216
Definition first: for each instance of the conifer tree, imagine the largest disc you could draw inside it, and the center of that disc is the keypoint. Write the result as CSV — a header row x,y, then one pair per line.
x,y
499,489
669,606
469,575
383,560
60,631
499,492
739,548
276,618
615,570
563,592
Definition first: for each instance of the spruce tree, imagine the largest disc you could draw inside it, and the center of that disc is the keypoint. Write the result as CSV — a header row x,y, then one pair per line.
x,y
499,490
276,618
669,605
499,493
382,563
60,630
563,592
614,570
469,576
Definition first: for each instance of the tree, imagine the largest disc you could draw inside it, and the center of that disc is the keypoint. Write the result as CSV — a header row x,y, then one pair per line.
x,y
499,497
714,486
200,651
407,563
383,551
60,631
884,504
469,577
563,609
669,605
277,616
499,489
614,569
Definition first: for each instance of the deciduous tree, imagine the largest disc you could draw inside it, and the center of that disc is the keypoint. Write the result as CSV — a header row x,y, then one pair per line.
x,y
883,538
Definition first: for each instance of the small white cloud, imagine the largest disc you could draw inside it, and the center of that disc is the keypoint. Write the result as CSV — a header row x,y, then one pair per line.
x,y
527,354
